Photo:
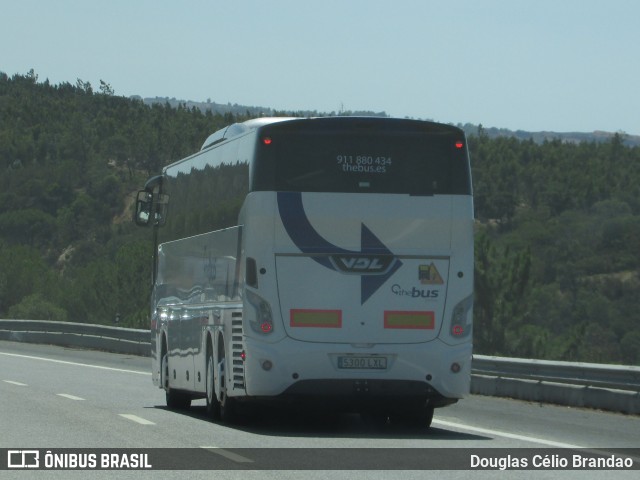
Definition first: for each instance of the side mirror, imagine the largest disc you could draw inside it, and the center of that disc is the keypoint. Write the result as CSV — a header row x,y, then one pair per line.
x,y
144,204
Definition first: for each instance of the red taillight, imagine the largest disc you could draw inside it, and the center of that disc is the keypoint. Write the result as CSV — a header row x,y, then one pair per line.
x,y
243,356
459,144
458,330
266,327
267,140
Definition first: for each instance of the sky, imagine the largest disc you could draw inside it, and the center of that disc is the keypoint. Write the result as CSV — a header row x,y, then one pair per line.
x,y
534,65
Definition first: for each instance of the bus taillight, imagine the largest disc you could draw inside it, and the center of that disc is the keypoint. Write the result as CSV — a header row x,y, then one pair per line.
x,y
263,321
461,320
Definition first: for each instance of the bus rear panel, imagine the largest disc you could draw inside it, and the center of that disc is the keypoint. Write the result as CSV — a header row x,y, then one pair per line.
x,y
363,235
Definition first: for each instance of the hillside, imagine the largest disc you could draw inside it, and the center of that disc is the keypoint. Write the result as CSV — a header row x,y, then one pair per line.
x,y
557,244
567,137
247,111
469,128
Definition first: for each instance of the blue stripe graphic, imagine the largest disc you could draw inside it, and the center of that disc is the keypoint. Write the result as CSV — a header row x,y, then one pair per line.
x,y
310,242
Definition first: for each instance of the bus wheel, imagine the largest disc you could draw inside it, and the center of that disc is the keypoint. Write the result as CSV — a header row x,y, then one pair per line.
x,y
426,417
176,400
417,418
213,405
374,419
226,404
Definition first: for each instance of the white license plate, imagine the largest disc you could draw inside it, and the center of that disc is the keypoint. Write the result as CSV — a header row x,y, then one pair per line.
x,y
362,362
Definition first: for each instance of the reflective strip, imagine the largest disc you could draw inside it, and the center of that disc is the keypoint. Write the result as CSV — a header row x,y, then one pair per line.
x,y
316,318
417,320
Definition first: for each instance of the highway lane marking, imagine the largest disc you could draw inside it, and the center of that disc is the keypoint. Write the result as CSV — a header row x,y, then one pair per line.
x,y
16,383
70,397
137,419
513,436
234,457
75,363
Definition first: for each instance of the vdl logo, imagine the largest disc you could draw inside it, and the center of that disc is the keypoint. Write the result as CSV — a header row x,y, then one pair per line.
x,y
363,264
23,459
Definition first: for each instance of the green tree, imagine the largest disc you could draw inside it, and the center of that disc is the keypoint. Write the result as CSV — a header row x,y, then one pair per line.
x,y
501,284
36,307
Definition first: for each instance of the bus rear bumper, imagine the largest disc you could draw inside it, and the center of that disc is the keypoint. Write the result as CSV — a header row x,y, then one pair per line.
x,y
432,371
365,394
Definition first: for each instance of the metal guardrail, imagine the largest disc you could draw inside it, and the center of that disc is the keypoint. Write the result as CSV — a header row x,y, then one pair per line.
x,y
609,387
619,377
68,334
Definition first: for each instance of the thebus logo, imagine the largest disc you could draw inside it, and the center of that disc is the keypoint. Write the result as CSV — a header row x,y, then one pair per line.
x,y
23,459
363,264
414,292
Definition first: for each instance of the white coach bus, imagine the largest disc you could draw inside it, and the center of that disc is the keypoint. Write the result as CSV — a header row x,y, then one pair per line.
x,y
324,261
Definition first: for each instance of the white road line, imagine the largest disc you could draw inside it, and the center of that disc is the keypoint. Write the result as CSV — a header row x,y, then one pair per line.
x,y
229,455
512,436
70,397
137,419
75,363
16,383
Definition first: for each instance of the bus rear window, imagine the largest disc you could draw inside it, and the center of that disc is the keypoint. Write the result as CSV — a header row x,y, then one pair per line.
x,y
366,162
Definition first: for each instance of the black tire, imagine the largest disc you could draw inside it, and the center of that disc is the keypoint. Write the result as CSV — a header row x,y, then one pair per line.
x,y
426,417
416,418
375,419
177,400
227,404
213,405
164,371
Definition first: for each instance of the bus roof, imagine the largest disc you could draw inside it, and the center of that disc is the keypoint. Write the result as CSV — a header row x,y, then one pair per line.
x,y
237,129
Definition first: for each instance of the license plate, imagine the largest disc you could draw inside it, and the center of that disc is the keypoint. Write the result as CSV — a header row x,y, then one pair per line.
x,y
361,362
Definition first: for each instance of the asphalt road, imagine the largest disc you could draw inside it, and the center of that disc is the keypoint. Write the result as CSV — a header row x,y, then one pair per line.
x,y
53,397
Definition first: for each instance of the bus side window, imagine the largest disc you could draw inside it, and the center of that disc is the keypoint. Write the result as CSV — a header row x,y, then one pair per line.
x,y
251,275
